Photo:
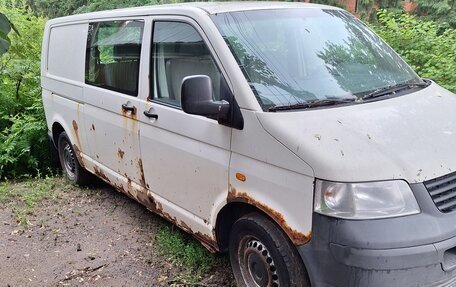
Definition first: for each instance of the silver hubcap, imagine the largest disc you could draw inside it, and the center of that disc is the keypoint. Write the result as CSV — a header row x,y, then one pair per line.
x,y
69,161
257,265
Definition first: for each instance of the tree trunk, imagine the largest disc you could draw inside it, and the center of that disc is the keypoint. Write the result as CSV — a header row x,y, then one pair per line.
x,y
18,86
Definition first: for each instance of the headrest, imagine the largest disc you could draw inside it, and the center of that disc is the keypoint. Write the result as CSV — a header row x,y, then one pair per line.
x,y
131,51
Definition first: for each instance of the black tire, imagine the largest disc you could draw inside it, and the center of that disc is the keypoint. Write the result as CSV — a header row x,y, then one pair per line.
x,y
262,255
55,161
69,161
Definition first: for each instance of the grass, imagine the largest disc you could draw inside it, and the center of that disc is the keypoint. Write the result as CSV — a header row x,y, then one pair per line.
x,y
24,195
184,251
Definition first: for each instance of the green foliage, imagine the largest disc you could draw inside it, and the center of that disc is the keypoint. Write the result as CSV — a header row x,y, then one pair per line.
x,y
20,67
183,250
23,132
431,53
58,8
365,8
99,5
54,8
443,11
335,3
24,147
391,4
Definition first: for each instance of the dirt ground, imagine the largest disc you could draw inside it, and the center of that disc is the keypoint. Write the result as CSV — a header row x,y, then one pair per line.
x,y
95,237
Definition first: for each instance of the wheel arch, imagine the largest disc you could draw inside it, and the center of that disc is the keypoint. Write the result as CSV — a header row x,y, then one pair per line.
x,y
56,130
226,217
234,210
59,125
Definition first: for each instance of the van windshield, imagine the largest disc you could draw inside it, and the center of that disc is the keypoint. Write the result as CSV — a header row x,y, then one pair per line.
x,y
293,57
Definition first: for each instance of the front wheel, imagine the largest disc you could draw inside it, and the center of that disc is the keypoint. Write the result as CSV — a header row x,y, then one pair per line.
x,y
69,162
262,255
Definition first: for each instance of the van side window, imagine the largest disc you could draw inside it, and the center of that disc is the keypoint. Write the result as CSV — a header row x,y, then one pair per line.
x,y
113,54
178,52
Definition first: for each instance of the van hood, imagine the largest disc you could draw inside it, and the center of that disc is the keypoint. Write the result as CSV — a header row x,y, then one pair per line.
x,y
410,137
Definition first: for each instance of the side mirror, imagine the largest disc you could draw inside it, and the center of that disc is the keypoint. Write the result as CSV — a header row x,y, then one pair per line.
x,y
196,98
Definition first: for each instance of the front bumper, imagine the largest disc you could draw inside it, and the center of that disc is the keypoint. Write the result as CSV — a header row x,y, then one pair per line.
x,y
417,250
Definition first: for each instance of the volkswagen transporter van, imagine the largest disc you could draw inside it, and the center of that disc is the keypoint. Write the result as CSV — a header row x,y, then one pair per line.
x,y
287,134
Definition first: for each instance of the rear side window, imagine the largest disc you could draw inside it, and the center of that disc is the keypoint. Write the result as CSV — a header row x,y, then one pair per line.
x,y
113,55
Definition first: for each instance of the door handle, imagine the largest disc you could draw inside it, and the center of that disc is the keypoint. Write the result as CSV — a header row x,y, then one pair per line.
x,y
150,115
128,107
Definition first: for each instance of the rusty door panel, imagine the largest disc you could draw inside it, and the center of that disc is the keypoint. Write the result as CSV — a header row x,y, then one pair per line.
x,y
113,133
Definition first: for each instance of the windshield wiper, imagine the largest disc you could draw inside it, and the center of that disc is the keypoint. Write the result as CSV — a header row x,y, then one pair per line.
x,y
311,104
393,89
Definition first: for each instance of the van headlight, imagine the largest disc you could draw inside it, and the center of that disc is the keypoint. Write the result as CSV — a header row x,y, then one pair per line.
x,y
367,200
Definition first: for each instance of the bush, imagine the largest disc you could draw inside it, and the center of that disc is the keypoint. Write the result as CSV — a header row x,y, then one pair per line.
x,y
24,149
422,44
23,132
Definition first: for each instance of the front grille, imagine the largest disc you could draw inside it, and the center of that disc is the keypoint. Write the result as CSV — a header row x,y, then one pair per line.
x,y
443,192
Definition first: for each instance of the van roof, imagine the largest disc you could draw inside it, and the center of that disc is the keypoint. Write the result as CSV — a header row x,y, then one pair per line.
x,y
182,8
221,7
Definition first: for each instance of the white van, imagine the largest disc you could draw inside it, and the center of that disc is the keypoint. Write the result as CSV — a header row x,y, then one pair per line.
x,y
287,134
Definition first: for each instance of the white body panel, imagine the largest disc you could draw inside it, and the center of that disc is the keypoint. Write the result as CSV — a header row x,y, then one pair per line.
x,y
410,137
64,41
277,181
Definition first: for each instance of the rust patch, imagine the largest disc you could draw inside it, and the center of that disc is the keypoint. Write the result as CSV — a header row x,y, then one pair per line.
x,y
142,178
297,237
101,174
78,153
147,200
120,188
120,153
209,243
129,191
76,129
184,226
129,114
159,206
130,124
168,217
241,177
75,126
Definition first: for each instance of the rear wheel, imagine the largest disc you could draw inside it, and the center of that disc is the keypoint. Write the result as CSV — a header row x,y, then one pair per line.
x,y
263,256
69,161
